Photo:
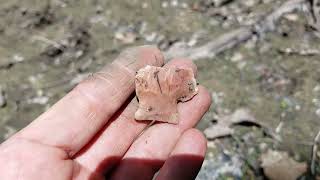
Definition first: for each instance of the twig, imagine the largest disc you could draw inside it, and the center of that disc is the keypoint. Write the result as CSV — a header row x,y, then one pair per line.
x,y
212,48
314,153
235,37
307,52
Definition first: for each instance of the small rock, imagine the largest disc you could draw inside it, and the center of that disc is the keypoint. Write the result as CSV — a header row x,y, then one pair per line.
x,y
251,151
192,42
236,57
174,3
78,54
150,37
291,17
316,102
249,3
211,144
219,165
316,88
164,4
263,147
39,100
18,58
126,38
184,5
318,112
145,5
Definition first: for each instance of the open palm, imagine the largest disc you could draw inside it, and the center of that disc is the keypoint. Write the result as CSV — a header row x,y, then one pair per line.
x,y
91,132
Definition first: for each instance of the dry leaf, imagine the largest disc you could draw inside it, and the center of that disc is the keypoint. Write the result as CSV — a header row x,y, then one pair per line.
x,y
279,166
224,123
159,89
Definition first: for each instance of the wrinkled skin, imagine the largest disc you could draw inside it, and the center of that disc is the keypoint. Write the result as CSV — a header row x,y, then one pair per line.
x,y
91,133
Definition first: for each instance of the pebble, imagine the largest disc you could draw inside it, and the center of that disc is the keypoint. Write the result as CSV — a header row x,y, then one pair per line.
x,y
316,88
39,100
318,112
316,101
218,166
210,155
251,150
126,38
249,3
211,144
18,58
150,37
164,4
192,42
292,17
174,3
263,147
237,57
78,54
184,5
145,5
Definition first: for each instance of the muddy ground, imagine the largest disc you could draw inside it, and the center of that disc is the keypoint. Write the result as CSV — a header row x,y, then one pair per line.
x,y
46,47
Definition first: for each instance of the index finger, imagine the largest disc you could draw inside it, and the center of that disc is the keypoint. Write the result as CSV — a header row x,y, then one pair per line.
x,y
77,117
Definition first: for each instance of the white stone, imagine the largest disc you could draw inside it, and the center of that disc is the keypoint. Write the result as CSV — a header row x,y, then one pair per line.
x,y
164,4
174,3
316,88
236,57
145,5
318,112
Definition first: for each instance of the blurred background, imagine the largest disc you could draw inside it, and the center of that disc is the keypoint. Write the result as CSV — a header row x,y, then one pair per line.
x,y
260,59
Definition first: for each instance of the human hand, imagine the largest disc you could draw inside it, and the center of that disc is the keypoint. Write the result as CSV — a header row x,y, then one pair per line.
x,y
91,132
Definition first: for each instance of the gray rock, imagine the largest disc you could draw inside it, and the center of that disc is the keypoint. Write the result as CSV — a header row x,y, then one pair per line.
x,y
222,164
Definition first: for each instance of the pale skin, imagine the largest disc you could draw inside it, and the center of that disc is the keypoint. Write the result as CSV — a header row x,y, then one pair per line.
x,y
91,133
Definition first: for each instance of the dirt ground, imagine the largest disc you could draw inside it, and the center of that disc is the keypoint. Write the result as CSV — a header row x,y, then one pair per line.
x,y
46,47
